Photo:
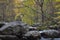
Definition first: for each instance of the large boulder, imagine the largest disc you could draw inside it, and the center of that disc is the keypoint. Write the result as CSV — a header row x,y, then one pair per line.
x,y
3,23
50,34
17,28
32,35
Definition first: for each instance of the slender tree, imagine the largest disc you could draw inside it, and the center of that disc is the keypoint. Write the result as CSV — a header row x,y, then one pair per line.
x,y
40,4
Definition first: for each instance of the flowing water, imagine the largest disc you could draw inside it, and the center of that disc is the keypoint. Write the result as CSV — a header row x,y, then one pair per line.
x,y
50,39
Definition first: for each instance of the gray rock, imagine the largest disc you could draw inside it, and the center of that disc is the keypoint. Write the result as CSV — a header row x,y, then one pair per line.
x,y
32,35
50,33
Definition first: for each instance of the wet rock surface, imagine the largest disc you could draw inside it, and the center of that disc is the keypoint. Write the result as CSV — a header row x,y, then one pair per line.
x,y
18,30
50,33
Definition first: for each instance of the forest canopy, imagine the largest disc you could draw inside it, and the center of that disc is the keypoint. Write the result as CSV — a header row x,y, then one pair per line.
x,y
44,12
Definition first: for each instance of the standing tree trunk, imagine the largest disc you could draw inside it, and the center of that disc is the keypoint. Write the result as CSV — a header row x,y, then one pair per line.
x,y
40,4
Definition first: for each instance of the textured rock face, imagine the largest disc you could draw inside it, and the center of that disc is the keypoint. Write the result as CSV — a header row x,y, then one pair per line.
x,y
17,28
50,34
3,23
20,30
14,27
32,35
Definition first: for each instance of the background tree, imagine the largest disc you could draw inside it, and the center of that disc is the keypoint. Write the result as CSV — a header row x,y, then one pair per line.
x,y
42,12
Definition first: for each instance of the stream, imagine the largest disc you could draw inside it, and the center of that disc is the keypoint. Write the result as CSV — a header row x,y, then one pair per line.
x,y
49,38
